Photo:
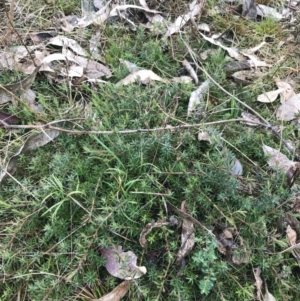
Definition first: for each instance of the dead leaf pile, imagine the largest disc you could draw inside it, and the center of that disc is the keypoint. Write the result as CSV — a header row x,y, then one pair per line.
x,y
61,66
290,101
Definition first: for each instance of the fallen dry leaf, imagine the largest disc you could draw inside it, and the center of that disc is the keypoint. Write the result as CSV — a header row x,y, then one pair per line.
x,y
9,119
130,66
239,55
67,43
154,20
270,96
148,228
258,282
277,159
249,9
197,96
29,98
267,11
182,79
191,71
225,242
237,168
289,109
32,143
95,45
291,235
122,264
234,53
187,236
89,68
98,3
117,293
203,136
249,119
254,49
204,27
246,77
205,54
287,90
194,9
269,297
142,76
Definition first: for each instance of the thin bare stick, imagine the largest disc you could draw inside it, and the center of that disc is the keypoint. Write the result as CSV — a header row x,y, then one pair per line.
x,y
9,25
109,132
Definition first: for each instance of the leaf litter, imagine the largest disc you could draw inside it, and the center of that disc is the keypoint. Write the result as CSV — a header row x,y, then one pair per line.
x,y
76,64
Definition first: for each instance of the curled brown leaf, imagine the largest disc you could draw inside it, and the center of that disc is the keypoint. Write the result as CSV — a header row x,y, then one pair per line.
x,y
187,236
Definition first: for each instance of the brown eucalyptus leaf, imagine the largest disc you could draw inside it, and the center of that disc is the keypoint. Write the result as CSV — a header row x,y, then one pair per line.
x,y
291,235
117,293
187,236
197,96
237,66
249,9
9,119
182,79
269,297
246,77
267,11
67,43
204,136
250,119
277,159
289,109
130,66
287,90
76,66
237,168
269,96
225,242
293,173
258,282
191,71
122,264
142,76
233,52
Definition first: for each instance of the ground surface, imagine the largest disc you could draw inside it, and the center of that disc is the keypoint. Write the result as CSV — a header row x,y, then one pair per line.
x,y
89,189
